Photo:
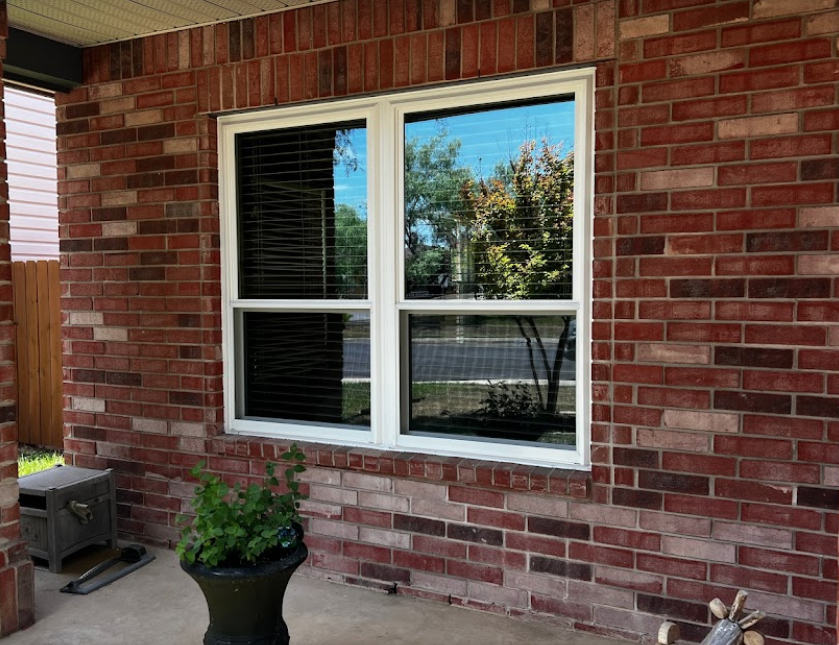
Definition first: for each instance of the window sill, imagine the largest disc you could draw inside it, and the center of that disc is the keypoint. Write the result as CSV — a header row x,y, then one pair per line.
x,y
562,482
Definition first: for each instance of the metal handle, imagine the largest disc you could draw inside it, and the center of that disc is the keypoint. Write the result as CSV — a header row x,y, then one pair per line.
x,y
81,511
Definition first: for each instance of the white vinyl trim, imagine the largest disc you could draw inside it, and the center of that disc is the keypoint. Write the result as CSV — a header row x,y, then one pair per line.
x,y
33,175
385,117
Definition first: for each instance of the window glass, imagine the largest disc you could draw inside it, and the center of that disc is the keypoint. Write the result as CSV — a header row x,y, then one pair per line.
x,y
311,367
460,335
302,206
488,203
509,377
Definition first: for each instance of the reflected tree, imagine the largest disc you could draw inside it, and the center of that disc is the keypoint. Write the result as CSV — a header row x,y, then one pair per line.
x,y
521,224
434,176
350,251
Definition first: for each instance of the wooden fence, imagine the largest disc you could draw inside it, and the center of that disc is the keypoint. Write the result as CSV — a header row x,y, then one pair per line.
x,y
37,293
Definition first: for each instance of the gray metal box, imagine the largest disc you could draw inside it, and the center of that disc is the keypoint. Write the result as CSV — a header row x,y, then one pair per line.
x,y
51,529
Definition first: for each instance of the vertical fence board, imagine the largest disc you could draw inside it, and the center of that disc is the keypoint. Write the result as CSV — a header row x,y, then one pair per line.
x,y
44,360
38,341
22,349
56,391
33,407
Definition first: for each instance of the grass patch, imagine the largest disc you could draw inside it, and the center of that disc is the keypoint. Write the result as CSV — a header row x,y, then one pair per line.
x,y
33,460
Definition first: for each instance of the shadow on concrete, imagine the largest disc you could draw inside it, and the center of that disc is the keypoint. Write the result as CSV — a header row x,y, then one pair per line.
x,y
160,605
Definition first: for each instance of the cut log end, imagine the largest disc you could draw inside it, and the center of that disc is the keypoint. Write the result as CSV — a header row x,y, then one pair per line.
x,y
737,606
753,638
668,633
718,608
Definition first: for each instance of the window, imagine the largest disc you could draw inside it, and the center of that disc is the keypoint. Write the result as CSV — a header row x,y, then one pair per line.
x,y
412,271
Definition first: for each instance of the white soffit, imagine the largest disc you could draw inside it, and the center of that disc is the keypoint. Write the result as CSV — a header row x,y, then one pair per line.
x,y
94,22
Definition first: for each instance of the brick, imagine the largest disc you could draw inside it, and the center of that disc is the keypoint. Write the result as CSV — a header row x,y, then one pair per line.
x,y
676,179
672,608
474,496
698,549
816,169
708,16
701,421
758,126
419,525
538,505
779,561
774,78
754,357
757,174
774,471
672,566
819,217
482,573
636,498
798,99
437,509
336,495
714,288
632,580
707,63
741,577
673,440
751,265
383,502
800,50
635,540
666,353
789,287
679,44
774,8
702,199
710,108
644,158
558,528
821,120
677,134
708,153
366,482
640,246
814,406
536,544
409,488
635,458
673,310
563,568
781,516
476,534
789,241
643,27
776,148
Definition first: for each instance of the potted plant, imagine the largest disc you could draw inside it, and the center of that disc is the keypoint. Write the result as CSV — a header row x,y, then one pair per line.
x,y
241,547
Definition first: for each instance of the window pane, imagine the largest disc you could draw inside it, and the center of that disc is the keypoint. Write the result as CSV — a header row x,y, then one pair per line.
x,y
302,208
506,377
306,367
488,202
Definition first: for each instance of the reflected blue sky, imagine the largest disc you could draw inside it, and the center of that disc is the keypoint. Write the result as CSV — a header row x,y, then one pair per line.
x,y
487,138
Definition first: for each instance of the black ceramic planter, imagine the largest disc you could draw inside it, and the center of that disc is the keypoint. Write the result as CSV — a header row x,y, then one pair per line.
x,y
246,603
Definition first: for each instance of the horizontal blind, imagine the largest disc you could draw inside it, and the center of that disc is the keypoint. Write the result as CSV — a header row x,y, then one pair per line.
x,y
295,241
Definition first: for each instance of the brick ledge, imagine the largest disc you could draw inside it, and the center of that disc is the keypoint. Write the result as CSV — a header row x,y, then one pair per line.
x,y
564,482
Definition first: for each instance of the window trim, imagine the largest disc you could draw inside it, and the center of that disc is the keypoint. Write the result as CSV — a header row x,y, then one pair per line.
x,y
385,116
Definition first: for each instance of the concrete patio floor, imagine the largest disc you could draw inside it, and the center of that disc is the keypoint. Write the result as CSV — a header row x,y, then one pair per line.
x,y
160,605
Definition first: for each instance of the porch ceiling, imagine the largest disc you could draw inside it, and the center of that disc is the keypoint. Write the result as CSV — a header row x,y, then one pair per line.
x,y
92,22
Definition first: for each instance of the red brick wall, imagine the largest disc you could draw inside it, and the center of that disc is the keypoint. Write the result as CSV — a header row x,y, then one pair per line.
x,y
716,386
16,571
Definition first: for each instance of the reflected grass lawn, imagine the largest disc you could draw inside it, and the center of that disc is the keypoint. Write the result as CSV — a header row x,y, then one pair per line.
x,y
449,406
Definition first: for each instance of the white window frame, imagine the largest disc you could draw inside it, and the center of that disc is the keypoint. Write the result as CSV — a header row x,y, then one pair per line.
x,y
386,303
